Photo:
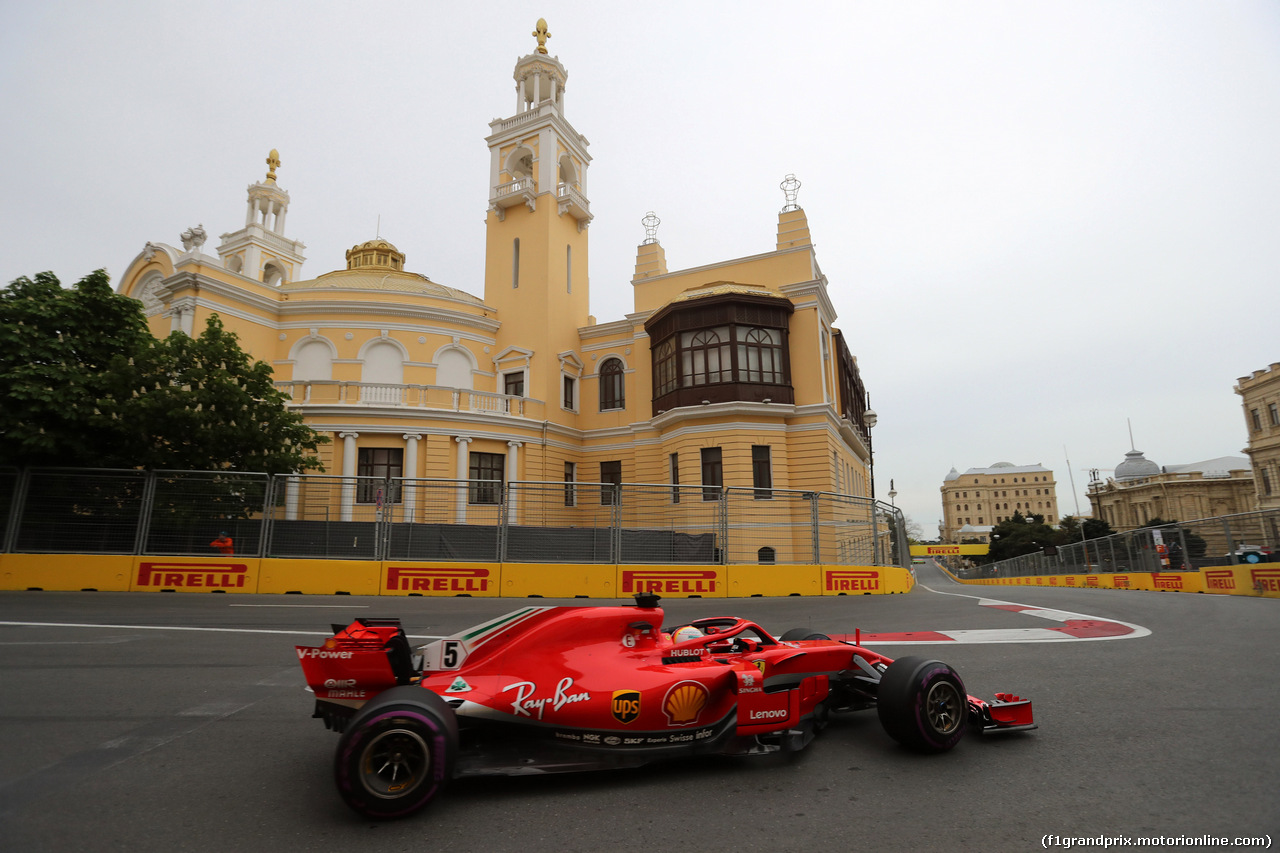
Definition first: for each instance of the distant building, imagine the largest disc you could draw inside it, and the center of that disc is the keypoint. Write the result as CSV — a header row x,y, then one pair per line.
x,y
1260,397
1142,490
980,498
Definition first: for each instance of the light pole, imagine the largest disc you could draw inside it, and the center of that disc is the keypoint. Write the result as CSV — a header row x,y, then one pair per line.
x,y
869,420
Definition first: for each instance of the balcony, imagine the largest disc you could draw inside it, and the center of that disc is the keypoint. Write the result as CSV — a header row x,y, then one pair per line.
x,y
574,203
519,191
332,392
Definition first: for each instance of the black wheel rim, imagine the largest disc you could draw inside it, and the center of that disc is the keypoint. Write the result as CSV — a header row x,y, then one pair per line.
x,y
394,763
943,707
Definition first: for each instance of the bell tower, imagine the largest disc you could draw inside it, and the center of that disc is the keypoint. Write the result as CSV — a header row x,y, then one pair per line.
x,y
536,225
260,250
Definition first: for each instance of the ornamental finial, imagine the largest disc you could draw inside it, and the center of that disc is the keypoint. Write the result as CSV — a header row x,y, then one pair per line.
x,y
273,163
541,34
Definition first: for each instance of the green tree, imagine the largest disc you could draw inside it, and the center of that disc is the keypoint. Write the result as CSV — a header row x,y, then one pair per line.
x,y
1094,528
1020,535
86,385
56,350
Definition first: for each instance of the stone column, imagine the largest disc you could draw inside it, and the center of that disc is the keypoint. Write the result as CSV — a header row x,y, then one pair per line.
x,y
513,468
461,473
348,474
410,496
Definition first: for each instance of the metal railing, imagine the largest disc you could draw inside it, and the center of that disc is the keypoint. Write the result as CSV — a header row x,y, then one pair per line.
x,y
1187,546
367,518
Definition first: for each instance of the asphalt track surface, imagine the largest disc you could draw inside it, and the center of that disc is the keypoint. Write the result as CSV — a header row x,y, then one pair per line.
x,y
178,722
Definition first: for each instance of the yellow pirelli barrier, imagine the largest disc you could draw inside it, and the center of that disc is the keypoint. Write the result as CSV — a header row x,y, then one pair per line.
x,y
402,577
320,577
673,581
1258,580
558,580
194,574
866,580
774,581
66,572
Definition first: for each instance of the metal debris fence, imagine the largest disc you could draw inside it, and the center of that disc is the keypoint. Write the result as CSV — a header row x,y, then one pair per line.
x,y
1180,547
180,513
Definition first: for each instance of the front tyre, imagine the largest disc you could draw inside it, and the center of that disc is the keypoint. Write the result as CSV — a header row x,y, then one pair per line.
x,y
397,753
922,704
802,634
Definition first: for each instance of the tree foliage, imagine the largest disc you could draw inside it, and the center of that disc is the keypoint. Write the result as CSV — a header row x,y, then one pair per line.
x,y
1020,535
85,384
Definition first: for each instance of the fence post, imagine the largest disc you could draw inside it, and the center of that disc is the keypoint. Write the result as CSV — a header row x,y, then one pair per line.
x,y
20,488
269,510
502,521
144,513
724,525
815,540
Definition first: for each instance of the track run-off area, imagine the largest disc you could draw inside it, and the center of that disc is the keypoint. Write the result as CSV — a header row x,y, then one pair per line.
x,y
152,721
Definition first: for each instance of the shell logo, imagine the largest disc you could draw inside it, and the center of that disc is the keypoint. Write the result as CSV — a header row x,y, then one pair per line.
x,y
684,703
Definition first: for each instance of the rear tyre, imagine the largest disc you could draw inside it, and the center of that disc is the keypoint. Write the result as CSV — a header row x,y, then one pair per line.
x,y
397,754
802,634
922,704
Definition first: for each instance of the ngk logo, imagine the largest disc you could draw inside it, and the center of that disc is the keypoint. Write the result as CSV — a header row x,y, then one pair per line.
x,y
1163,581
847,580
1220,579
1267,580
411,579
658,580
192,575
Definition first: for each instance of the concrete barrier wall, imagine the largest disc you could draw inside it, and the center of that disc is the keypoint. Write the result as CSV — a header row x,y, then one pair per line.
x,y
506,580
1259,580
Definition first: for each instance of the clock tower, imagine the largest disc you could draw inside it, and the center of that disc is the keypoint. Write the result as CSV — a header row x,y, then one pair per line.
x,y
536,246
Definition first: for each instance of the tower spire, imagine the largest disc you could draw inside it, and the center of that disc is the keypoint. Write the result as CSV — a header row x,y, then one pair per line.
x,y
541,34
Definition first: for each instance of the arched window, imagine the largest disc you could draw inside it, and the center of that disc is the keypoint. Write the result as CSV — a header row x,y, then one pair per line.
x,y
705,357
766,556
612,385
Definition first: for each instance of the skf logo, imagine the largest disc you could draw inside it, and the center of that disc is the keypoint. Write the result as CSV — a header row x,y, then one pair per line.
x,y
1267,580
1166,581
1220,579
410,579
626,705
1121,582
193,575
684,703
657,580
844,580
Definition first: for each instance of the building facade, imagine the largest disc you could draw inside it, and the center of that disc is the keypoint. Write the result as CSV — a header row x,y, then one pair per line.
x,y
727,374
980,498
1260,397
1142,490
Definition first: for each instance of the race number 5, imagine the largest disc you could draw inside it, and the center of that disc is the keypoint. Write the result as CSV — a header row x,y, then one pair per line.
x,y
452,654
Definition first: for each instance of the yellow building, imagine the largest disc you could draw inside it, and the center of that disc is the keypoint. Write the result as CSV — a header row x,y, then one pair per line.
x,y
980,498
1260,397
730,374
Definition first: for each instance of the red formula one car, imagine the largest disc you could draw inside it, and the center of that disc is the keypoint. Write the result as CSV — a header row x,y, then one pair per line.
x,y
550,689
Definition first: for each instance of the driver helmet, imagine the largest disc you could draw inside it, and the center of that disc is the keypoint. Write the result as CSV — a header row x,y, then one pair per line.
x,y
686,632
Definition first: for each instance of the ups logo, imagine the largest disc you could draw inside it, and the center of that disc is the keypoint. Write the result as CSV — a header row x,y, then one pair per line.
x,y
626,705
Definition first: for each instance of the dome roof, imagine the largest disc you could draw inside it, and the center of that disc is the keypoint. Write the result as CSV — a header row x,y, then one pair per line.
x,y
954,475
1136,466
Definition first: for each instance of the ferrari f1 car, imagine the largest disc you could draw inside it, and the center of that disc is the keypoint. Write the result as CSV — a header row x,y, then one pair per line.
x,y
550,689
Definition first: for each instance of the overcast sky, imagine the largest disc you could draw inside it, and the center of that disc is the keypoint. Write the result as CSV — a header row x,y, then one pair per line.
x,y
1039,220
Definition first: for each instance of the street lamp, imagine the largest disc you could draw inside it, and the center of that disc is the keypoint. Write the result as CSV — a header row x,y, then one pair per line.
x,y
869,420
